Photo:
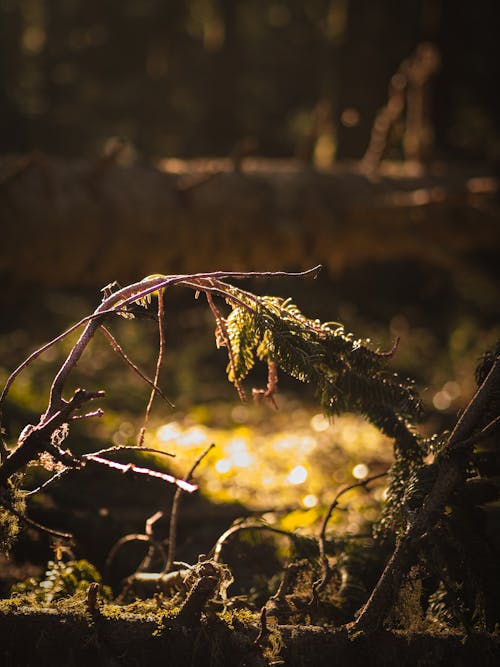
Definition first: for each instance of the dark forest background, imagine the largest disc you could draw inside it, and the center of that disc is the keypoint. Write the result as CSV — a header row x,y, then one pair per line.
x,y
187,78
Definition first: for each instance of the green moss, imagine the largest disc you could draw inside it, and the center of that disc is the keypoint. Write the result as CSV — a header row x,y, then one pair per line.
x,y
61,581
236,618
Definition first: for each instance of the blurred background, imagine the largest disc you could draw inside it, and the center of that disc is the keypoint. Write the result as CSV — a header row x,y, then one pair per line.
x,y
186,78
146,136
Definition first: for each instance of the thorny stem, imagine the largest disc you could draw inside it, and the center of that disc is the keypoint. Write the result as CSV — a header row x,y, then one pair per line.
x,y
159,361
174,514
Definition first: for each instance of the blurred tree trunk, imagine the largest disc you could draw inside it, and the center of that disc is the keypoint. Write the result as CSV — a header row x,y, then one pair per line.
x,y
379,36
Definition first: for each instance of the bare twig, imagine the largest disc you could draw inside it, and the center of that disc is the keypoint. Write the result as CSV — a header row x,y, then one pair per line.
x,y
129,448
319,585
36,439
119,350
133,537
159,361
107,450
130,468
272,385
154,544
34,524
174,514
246,526
34,355
484,433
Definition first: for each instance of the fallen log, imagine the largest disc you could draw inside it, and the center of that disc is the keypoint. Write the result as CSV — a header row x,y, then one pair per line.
x,y
86,222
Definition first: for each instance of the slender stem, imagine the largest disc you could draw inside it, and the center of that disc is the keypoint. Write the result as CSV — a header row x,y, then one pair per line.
x,y
131,468
246,526
119,350
320,583
34,524
174,514
159,361
107,450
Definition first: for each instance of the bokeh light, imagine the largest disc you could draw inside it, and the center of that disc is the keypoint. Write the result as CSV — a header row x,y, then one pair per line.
x,y
298,475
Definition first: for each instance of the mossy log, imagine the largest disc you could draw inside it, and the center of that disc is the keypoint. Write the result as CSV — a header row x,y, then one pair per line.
x,y
45,638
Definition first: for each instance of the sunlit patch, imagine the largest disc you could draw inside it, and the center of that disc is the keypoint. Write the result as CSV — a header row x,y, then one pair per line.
x,y
223,465
169,432
298,475
319,423
284,443
360,471
242,459
193,437
238,453
307,444
349,432
310,500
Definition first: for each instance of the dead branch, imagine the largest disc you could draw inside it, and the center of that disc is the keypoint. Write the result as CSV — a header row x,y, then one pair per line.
x,y
451,464
204,588
107,450
131,469
36,439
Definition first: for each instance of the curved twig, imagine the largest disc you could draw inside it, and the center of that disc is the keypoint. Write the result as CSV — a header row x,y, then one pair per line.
x,y
319,585
134,292
217,549
34,524
34,355
174,514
